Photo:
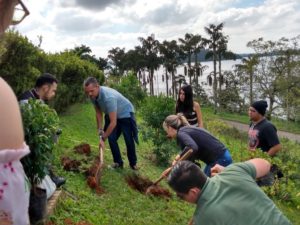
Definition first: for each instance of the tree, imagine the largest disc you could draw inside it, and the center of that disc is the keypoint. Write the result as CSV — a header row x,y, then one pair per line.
x,y
278,69
169,50
247,70
116,55
150,49
215,35
20,61
188,46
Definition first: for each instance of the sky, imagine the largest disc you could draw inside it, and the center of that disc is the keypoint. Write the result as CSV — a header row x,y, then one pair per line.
x,y
106,24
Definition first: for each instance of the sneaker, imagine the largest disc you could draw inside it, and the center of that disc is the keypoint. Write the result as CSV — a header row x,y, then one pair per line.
x,y
59,181
135,167
116,166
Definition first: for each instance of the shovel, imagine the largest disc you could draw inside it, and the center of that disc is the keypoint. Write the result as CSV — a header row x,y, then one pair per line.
x,y
167,171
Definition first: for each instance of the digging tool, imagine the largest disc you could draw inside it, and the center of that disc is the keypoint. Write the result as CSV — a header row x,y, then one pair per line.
x,y
167,171
100,165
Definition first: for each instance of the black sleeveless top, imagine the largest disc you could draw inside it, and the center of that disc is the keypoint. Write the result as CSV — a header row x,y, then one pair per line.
x,y
191,117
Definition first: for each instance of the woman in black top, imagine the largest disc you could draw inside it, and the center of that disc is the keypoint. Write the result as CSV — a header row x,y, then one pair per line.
x,y
188,107
205,146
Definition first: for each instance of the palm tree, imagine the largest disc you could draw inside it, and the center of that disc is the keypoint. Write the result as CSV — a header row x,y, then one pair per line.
x,y
215,35
150,49
169,50
187,48
248,67
82,50
134,60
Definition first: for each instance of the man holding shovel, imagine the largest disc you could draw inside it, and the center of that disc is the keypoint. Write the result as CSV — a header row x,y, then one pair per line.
x,y
231,196
119,118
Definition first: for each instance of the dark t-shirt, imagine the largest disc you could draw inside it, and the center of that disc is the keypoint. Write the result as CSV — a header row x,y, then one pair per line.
x,y
205,147
262,135
27,95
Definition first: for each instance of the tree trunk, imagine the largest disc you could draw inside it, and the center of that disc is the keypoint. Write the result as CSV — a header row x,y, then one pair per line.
x,y
173,84
167,85
215,81
151,82
220,72
251,87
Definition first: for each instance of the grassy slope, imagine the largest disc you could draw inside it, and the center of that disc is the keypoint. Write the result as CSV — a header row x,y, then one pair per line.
x,y
243,118
121,205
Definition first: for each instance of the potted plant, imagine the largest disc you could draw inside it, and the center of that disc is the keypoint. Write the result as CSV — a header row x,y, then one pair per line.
x,y
40,124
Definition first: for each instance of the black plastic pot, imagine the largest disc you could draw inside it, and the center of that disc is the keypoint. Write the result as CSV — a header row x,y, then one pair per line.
x,y
37,206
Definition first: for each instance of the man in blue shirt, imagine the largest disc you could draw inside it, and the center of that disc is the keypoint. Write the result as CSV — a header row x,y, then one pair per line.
x,y
119,118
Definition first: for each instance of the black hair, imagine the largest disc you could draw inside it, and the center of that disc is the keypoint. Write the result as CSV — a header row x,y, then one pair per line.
x,y
186,175
188,103
45,78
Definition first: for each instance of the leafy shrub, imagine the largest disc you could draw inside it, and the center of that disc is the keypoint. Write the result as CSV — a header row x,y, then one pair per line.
x,y
154,111
288,159
40,125
129,87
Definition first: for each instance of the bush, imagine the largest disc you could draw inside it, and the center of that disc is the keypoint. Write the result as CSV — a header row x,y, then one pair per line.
x,y
154,111
130,87
40,125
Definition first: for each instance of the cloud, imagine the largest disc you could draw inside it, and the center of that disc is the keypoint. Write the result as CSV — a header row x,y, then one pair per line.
x,y
105,24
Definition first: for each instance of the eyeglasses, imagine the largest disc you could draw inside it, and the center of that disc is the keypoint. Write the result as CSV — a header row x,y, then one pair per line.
x,y
20,13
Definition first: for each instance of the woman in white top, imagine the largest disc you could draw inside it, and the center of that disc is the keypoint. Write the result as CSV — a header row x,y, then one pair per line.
x,y
14,189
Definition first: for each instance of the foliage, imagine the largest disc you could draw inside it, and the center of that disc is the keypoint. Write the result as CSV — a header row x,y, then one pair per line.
x,y
284,189
18,63
130,87
71,72
278,73
40,124
21,63
119,204
126,205
154,111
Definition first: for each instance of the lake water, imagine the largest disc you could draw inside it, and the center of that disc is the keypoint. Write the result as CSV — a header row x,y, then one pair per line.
x,y
160,85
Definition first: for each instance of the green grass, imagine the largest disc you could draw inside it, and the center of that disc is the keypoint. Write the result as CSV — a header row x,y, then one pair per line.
x,y
121,205
280,124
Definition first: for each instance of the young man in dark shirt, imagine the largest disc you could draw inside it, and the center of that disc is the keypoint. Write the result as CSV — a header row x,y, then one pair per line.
x,y
44,90
263,135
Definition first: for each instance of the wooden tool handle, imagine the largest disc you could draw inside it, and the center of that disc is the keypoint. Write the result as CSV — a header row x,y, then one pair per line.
x,y
167,171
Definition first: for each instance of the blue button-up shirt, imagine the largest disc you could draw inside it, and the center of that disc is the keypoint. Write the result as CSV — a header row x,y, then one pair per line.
x,y
110,100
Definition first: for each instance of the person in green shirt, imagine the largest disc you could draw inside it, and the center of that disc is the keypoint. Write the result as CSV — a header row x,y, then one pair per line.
x,y
230,197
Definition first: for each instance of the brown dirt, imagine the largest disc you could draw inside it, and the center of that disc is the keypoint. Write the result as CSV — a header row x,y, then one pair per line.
x,y
70,164
83,148
93,177
145,186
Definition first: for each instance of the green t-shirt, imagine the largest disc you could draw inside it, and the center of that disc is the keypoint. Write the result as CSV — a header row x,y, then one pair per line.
x,y
233,198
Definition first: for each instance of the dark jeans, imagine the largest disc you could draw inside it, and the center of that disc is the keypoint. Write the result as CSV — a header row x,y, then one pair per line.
x,y
224,160
125,126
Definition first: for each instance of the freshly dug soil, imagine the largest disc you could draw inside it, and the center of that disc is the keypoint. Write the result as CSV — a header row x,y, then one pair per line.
x,y
83,148
92,176
70,164
145,186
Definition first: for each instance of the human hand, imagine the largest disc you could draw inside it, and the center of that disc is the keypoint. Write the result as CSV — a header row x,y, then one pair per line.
x,y
101,144
216,169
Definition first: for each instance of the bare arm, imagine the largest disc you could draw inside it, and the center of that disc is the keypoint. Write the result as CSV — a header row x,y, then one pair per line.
x,y
273,151
99,118
112,124
199,114
11,128
262,166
